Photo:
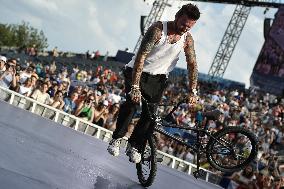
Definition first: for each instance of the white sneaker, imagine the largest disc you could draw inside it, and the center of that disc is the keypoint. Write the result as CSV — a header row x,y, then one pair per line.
x,y
133,154
114,146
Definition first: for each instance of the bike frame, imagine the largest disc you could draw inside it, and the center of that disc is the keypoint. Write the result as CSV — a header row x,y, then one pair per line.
x,y
198,131
198,147
224,146
160,122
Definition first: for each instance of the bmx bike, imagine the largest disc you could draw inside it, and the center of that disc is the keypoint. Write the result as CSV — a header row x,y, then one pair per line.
x,y
229,149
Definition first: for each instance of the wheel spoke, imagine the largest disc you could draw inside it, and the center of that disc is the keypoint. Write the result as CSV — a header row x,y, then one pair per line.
x,y
232,148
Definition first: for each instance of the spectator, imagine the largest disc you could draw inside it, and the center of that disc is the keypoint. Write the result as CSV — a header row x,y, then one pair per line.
x,y
33,50
3,61
101,113
34,79
278,183
26,87
244,178
57,101
112,117
8,78
85,109
52,67
55,52
26,74
69,103
41,94
97,55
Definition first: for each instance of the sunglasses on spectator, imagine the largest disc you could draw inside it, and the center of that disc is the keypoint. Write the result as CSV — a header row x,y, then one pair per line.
x,y
89,100
9,65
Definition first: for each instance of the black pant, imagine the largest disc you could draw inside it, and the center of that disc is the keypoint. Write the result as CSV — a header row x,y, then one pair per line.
x,y
152,88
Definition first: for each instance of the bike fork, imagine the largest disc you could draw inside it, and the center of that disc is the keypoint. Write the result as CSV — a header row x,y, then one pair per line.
x,y
199,172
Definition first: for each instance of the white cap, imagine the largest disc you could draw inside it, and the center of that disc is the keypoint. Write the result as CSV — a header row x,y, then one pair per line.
x,y
99,93
3,58
105,103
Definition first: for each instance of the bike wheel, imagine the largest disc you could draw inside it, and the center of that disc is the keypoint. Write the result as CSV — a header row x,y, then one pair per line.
x,y
231,149
146,169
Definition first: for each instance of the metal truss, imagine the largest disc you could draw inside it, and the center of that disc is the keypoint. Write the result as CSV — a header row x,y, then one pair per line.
x,y
154,15
229,41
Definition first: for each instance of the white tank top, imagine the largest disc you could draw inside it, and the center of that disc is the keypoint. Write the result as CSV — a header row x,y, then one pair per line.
x,y
163,57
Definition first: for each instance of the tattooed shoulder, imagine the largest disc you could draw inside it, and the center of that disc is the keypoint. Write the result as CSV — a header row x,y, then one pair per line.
x,y
151,37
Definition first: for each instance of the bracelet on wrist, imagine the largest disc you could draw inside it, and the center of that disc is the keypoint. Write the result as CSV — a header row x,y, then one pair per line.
x,y
193,91
135,87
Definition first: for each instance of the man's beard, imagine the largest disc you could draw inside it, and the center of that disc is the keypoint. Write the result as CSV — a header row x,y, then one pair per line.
x,y
179,30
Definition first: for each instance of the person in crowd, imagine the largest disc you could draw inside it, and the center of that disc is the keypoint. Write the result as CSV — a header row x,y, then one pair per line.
x,y
245,178
8,77
85,109
26,88
3,61
112,117
70,103
41,94
26,74
52,68
57,101
53,89
101,113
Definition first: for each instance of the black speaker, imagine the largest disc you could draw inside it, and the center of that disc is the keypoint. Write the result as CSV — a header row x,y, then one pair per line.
x,y
266,27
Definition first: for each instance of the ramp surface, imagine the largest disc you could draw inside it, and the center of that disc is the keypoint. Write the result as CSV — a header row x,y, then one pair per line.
x,y
36,153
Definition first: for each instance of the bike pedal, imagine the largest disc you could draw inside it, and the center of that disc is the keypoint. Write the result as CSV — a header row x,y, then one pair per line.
x,y
202,172
199,173
196,174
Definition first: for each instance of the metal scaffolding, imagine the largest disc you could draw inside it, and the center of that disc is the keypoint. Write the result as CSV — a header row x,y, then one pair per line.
x,y
229,41
154,15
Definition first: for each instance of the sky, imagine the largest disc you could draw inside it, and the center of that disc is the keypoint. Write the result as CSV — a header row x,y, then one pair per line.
x,y
111,25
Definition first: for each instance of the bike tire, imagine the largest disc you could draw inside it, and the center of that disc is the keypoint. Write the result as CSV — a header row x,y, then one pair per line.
x,y
219,134
151,147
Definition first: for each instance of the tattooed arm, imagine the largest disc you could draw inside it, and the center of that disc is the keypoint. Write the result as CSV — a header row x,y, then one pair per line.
x,y
191,65
151,37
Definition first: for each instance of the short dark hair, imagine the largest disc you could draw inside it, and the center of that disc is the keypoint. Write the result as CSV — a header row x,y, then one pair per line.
x,y
190,10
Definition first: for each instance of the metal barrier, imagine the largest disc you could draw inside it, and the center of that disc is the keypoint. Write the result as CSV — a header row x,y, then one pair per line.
x,y
88,128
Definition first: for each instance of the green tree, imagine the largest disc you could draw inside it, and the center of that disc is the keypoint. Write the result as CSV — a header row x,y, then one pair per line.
x,y
22,36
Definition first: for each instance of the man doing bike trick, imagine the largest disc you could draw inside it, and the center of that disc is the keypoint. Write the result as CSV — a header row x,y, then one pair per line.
x,y
146,75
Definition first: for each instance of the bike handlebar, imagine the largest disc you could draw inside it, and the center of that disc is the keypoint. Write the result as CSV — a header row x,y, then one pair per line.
x,y
213,114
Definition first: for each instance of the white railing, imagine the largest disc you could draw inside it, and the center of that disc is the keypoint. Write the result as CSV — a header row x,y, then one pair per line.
x,y
88,128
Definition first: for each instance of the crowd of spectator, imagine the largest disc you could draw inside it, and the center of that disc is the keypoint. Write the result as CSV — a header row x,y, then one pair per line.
x,y
95,95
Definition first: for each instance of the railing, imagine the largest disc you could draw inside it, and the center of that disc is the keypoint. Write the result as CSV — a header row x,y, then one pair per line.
x,y
88,128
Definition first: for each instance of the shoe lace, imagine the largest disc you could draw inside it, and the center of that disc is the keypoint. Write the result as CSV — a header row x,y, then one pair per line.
x,y
117,142
134,151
